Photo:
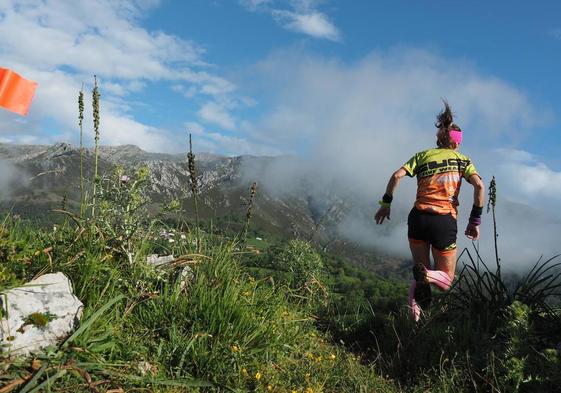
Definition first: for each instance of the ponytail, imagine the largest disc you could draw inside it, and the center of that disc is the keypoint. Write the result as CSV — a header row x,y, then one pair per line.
x,y
445,123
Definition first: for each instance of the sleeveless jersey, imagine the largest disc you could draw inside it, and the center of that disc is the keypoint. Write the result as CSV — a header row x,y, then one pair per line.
x,y
439,177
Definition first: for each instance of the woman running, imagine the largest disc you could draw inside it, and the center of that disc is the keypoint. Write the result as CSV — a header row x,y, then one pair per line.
x,y
432,221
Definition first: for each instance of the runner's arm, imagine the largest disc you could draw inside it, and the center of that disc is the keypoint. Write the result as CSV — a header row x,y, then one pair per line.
x,y
472,229
394,180
478,190
384,211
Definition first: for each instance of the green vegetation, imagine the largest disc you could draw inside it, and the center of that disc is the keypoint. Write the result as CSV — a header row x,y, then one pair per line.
x,y
263,314
38,319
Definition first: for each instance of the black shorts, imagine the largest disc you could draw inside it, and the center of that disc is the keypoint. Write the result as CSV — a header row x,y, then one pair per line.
x,y
439,230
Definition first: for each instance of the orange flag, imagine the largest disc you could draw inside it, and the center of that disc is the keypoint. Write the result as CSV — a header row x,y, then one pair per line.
x,y
15,92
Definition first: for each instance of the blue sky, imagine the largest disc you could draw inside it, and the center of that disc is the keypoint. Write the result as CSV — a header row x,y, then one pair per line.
x,y
516,42
352,86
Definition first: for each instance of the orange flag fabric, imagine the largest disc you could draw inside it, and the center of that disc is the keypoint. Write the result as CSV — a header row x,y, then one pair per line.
x,y
16,92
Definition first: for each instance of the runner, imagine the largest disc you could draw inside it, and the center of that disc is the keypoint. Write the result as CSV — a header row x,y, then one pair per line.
x,y
432,221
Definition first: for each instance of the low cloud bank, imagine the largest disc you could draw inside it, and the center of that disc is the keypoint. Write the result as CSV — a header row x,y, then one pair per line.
x,y
357,123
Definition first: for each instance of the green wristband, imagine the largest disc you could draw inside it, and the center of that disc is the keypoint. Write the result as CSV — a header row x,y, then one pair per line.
x,y
384,204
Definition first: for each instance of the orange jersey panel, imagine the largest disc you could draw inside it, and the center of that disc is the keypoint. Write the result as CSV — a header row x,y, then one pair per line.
x,y
439,178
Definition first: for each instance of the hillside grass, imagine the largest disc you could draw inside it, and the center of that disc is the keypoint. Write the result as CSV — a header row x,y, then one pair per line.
x,y
141,331
264,315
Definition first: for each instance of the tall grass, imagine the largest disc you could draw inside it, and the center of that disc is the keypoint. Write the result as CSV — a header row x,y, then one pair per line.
x,y
96,121
143,327
489,333
80,125
194,185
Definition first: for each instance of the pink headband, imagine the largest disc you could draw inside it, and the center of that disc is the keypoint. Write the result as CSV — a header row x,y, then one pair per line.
x,y
455,136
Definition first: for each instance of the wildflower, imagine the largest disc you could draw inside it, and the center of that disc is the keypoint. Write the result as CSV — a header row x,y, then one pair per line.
x,y
251,279
183,237
246,293
258,376
125,179
235,348
309,390
307,376
309,355
171,240
332,356
269,387
318,359
245,373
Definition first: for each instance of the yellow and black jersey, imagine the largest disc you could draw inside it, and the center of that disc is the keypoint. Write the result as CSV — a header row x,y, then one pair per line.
x,y
439,177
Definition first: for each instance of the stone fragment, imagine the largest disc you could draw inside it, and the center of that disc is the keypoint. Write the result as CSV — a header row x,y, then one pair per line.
x,y
43,312
156,260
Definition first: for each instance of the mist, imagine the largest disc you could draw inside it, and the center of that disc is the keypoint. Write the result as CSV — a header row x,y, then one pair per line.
x,y
350,125
9,177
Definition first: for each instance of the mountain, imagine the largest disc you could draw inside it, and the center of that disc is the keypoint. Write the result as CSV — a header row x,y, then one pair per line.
x,y
35,179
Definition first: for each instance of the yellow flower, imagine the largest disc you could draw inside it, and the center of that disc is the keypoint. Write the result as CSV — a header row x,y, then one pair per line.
x,y
251,279
332,356
307,376
318,359
269,387
309,355
309,390
235,348
246,293
258,376
294,391
244,372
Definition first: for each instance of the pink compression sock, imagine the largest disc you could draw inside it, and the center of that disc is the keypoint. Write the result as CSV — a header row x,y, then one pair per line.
x,y
440,279
413,306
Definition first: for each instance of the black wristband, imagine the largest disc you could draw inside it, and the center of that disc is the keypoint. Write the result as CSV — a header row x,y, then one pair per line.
x,y
476,212
387,198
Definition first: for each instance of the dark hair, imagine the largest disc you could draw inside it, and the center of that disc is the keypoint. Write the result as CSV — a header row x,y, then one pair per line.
x,y
445,123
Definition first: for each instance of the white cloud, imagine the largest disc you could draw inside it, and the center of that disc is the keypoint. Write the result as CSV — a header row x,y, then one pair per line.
x,y
215,142
214,113
530,178
60,44
358,122
315,24
301,16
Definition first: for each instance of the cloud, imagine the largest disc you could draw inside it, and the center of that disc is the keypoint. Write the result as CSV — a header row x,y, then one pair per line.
x,y
301,16
315,24
61,44
215,142
214,113
10,175
358,122
531,180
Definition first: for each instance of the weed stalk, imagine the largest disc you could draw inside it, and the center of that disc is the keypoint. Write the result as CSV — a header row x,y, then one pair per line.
x,y
80,124
95,104
194,188
491,206
249,211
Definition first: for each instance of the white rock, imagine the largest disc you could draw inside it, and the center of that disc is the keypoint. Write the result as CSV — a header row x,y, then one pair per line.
x,y
155,260
187,276
49,295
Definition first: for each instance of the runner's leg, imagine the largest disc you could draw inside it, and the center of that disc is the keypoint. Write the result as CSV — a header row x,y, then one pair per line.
x,y
420,251
445,268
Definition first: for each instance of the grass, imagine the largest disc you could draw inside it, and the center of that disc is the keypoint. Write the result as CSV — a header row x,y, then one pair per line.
x,y
261,316
225,331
